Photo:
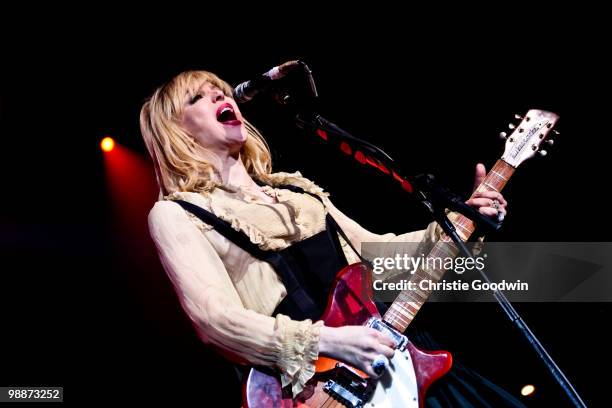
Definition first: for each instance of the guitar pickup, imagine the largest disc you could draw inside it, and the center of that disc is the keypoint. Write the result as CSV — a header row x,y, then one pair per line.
x,y
401,341
349,388
345,396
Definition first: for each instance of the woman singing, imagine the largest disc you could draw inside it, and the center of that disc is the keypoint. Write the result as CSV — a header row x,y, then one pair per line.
x,y
251,252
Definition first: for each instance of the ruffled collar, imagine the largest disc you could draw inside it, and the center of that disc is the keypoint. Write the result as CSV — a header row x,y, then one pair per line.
x,y
220,199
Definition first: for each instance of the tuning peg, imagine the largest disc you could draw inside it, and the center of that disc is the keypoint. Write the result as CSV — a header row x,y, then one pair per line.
x,y
543,153
511,126
556,132
503,135
550,142
517,116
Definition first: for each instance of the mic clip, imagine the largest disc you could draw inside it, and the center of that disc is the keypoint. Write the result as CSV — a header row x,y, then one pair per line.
x,y
297,94
437,198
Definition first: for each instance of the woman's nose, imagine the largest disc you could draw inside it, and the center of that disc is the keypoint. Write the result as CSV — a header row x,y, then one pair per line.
x,y
218,95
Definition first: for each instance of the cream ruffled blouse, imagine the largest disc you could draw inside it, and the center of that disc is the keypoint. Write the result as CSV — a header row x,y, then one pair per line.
x,y
228,294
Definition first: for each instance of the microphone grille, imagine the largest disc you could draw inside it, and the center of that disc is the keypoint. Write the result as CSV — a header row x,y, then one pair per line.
x,y
283,69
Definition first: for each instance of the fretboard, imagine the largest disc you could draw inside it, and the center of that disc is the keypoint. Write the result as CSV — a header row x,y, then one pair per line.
x,y
409,302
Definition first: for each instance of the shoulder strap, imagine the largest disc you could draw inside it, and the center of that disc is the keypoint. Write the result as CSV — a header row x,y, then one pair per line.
x,y
348,241
224,228
330,220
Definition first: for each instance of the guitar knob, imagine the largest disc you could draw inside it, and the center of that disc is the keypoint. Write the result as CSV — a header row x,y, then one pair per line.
x,y
511,126
550,142
503,135
543,153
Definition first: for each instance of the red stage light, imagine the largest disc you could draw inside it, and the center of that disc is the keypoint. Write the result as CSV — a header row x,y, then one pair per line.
x,y
107,144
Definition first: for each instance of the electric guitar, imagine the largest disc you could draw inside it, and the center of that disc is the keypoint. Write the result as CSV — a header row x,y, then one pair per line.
x,y
412,370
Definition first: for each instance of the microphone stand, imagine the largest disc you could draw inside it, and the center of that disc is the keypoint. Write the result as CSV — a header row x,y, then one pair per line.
x,y
436,198
423,186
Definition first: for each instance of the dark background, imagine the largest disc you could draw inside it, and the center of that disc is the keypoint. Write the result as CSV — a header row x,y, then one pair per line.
x,y
86,305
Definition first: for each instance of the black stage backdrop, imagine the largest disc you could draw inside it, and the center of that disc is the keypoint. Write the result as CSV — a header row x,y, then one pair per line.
x,y
87,306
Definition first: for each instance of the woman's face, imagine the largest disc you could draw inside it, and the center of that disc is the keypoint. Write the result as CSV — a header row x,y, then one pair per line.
x,y
214,120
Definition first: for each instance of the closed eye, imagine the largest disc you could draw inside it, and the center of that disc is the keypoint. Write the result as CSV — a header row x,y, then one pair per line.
x,y
195,98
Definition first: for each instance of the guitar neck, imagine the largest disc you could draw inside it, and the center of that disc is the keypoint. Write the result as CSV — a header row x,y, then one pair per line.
x,y
409,302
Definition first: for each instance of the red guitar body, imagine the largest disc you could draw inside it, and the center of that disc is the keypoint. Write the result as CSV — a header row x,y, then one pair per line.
x,y
349,304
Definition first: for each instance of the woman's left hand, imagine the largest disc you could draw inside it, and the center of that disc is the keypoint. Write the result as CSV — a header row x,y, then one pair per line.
x,y
490,203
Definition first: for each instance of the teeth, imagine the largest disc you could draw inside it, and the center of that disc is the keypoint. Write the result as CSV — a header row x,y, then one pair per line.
x,y
227,113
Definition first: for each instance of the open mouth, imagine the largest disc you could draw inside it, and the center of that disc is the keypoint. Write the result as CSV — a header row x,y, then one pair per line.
x,y
227,116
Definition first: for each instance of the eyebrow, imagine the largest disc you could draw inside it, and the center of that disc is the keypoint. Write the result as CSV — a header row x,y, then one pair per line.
x,y
210,84
189,97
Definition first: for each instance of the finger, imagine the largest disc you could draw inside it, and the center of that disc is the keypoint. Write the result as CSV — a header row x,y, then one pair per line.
x,y
481,173
488,211
386,340
493,195
480,202
386,351
486,193
372,344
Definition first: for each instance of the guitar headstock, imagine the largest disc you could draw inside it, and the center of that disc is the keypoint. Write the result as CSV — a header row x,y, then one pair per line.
x,y
527,138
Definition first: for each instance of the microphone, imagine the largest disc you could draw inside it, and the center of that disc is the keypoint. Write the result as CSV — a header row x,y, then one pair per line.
x,y
245,91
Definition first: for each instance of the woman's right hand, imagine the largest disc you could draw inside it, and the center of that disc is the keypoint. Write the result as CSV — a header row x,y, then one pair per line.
x,y
357,346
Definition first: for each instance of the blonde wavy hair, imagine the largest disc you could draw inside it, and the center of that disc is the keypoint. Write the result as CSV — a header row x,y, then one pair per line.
x,y
180,162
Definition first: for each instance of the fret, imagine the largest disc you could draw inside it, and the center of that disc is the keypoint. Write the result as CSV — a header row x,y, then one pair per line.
x,y
398,317
400,308
393,321
463,227
490,186
498,175
406,297
416,296
421,294
442,251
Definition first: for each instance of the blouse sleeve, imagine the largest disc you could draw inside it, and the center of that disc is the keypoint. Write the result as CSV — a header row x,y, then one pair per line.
x,y
209,298
357,234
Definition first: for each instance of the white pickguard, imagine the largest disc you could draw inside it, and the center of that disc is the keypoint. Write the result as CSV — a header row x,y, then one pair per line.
x,y
397,387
